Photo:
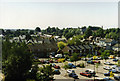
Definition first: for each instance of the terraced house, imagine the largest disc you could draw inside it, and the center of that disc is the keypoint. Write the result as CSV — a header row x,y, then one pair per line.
x,y
83,50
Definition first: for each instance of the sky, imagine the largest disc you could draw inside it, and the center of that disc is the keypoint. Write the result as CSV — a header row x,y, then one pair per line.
x,y
30,14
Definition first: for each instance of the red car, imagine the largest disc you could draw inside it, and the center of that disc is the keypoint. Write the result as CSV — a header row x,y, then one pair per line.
x,y
57,67
86,74
96,62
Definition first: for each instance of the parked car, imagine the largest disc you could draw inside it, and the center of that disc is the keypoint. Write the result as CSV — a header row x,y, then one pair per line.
x,y
107,79
117,77
107,63
99,58
85,59
56,61
114,66
57,67
53,65
115,60
71,65
87,74
90,62
107,74
58,56
113,70
70,71
96,62
73,75
46,61
51,61
106,67
56,71
92,72
42,61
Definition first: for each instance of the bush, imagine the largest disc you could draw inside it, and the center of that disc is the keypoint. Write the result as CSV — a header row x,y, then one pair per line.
x,y
82,65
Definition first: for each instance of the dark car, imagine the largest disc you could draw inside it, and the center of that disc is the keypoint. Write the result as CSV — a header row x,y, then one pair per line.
x,y
90,62
107,74
113,70
71,65
115,60
73,75
56,71
117,78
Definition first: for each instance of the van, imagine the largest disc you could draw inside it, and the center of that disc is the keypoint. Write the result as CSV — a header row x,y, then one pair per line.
x,y
58,56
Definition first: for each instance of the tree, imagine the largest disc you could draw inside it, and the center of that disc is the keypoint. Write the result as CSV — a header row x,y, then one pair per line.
x,y
68,35
45,73
18,62
88,32
61,45
74,57
38,29
100,33
28,37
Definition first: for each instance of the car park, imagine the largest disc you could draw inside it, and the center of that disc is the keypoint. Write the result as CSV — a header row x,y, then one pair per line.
x,y
106,68
73,75
87,74
70,71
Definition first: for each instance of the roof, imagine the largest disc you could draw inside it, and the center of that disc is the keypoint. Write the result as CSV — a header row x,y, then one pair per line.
x,y
117,45
87,46
80,46
106,40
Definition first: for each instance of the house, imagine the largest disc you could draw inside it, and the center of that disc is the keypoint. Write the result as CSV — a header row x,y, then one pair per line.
x,y
106,43
43,46
116,47
43,49
81,49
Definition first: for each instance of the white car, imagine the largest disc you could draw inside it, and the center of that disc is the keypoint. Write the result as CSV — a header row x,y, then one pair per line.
x,y
107,68
114,66
107,63
70,71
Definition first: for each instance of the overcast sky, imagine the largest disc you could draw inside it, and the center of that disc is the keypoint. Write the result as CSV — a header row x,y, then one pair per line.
x,y
29,14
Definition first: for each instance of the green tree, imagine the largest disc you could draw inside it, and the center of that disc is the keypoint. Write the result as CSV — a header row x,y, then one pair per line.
x,y
45,73
18,62
88,32
61,45
68,35
38,29
74,57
